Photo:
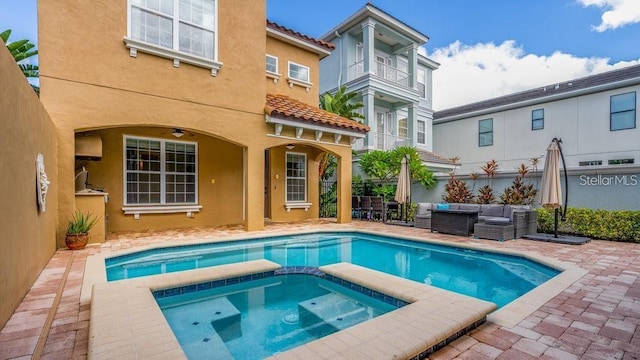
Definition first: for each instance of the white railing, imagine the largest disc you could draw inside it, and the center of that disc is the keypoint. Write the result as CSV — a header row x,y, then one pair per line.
x,y
382,70
381,141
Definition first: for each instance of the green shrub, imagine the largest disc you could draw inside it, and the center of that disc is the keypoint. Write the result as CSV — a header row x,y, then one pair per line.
x,y
596,224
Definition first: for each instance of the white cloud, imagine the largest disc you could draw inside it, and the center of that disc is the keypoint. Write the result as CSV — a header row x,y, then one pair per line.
x,y
618,13
470,73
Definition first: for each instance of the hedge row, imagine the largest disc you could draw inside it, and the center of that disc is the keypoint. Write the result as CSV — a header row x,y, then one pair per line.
x,y
611,225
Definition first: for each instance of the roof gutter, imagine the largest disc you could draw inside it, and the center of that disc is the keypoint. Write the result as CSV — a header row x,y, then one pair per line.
x,y
555,97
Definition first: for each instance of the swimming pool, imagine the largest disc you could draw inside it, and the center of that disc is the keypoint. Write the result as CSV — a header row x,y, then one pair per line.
x,y
258,318
485,275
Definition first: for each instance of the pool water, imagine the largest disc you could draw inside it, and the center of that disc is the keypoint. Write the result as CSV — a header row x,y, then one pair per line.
x,y
485,275
259,318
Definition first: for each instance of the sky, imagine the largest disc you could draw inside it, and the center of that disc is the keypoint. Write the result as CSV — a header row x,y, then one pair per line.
x,y
485,48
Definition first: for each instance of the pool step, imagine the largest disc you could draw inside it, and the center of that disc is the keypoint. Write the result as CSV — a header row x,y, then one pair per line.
x,y
332,309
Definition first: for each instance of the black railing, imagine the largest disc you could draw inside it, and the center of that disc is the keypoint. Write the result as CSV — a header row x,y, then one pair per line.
x,y
328,199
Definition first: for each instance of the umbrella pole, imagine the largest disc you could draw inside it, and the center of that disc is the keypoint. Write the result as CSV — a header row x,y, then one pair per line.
x,y
555,222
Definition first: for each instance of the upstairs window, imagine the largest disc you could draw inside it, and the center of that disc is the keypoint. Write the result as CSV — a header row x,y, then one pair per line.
x,y
296,177
272,64
422,132
537,119
298,72
623,111
485,132
159,172
184,30
422,88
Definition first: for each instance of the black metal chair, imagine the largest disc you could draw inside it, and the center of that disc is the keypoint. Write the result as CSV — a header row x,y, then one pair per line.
x,y
356,211
377,208
393,211
365,207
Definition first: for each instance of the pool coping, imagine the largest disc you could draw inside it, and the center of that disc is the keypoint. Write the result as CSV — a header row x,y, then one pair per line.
x,y
508,316
126,312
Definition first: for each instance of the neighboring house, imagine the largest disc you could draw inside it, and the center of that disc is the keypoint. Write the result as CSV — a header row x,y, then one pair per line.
x,y
596,118
187,114
378,57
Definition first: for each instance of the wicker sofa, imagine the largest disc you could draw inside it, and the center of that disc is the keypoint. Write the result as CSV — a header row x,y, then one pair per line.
x,y
522,217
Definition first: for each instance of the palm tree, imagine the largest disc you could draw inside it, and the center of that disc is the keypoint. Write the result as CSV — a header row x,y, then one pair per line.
x,y
339,104
22,50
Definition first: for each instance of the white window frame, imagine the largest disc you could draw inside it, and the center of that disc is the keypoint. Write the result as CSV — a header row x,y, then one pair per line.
x,y
163,207
174,53
405,128
275,75
296,204
299,82
422,80
423,133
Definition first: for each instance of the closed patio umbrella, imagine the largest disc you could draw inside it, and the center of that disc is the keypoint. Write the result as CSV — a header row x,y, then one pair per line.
x,y
403,191
550,195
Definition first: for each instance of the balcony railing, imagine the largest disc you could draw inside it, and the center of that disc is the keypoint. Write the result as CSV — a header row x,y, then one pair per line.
x,y
381,141
382,70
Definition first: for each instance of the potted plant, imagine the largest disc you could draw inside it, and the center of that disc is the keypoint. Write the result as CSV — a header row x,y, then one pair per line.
x,y
78,230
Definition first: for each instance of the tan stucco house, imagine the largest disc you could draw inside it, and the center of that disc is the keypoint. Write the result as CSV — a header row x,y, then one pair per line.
x,y
193,113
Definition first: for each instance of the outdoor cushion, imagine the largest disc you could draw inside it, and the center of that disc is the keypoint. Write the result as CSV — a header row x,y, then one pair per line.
x,y
442,206
454,206
424,208
474,207
493,210
498,221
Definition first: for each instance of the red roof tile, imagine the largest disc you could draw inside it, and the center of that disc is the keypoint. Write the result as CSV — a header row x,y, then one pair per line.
x,y
309,39
293,109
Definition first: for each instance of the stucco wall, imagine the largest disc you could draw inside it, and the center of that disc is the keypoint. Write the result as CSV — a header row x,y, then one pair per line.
x,y
286,52
27,237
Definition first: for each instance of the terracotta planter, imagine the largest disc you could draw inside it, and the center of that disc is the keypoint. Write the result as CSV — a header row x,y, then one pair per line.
x,y
76,241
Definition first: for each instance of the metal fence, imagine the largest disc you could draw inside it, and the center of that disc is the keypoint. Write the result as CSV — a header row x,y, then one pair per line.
x,y
328,199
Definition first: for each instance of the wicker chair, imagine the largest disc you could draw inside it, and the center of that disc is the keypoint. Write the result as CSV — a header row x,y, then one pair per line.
x,y
377,208
365,207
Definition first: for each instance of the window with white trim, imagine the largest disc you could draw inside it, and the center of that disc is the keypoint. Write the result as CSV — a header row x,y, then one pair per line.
x,y
422,88
403,128
185,30
272,64
623,111
422,132
296,177
298,72
160,172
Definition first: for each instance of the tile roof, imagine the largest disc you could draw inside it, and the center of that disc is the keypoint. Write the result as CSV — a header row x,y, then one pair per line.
x,y
296,110
428,156
306,38
557,89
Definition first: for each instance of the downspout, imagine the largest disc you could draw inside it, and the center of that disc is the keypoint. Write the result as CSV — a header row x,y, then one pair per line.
x,y
337,34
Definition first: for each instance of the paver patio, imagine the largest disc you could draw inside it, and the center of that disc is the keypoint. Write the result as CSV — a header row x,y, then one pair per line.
x,y
598,317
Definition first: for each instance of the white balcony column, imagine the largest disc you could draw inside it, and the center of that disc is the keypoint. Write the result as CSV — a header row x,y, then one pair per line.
x,y
368,45
413,67
368,99
412,123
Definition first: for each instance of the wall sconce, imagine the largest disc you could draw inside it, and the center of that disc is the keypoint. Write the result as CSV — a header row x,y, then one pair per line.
x,y
290,146
177,133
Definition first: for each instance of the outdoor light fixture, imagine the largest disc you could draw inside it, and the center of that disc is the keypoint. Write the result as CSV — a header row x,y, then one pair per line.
x,y
290,146
177,133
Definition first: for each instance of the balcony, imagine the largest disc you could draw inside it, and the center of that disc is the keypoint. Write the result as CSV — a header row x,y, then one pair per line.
x,y
381,70
381,141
